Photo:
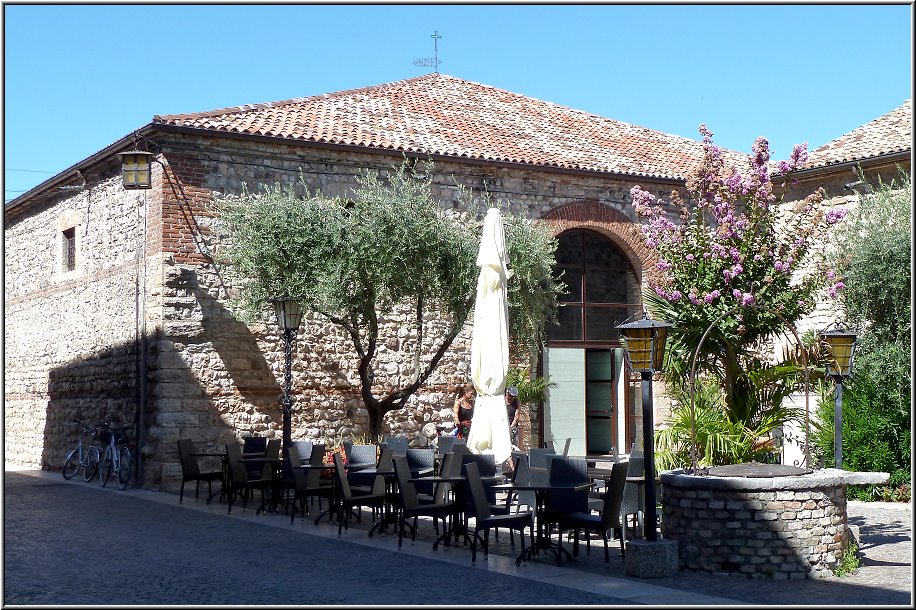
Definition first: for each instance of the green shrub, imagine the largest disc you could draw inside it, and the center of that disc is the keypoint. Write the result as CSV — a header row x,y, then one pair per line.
x,y
876,423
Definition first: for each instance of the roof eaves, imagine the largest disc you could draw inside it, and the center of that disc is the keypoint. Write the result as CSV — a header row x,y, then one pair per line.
x,y
79,166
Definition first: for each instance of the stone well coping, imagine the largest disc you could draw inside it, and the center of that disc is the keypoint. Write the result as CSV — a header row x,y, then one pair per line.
x,y
826,477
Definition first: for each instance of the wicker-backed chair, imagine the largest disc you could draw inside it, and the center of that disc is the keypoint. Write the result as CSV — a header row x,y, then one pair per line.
x,y
411,507
254,446
399,444
366,477
631,504
347,501
242,483
190,470
447,443
565,472
304,448
609,521
361,479
485,520
307,484
538,457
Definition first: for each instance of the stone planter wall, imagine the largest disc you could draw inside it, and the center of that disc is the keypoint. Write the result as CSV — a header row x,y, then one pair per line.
x,y
780,527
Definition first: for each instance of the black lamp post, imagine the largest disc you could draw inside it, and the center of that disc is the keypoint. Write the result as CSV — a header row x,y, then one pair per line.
x,y
842,346
289,316
645,344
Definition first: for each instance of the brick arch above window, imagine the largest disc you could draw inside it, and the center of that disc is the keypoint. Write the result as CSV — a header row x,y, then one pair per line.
x,y
623,231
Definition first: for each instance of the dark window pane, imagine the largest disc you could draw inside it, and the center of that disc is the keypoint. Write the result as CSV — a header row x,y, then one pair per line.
x,y
601,252
573,280
69,258
569,248
602,320
607,286
570,326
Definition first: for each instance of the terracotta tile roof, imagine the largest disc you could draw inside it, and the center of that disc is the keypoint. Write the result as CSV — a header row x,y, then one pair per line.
x,y
887,134
438,114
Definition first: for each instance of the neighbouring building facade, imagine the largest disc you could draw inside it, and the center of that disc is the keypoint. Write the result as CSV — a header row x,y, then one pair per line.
x,y
116,307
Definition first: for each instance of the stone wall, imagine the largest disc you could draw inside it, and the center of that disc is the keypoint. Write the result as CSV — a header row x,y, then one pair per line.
x,y
215,378
760,531
71,337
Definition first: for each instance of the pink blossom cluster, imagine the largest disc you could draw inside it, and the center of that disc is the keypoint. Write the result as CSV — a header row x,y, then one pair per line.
x,y
835,215
726,249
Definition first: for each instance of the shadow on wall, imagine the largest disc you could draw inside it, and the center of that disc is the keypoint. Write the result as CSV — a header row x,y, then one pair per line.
x,y
97,388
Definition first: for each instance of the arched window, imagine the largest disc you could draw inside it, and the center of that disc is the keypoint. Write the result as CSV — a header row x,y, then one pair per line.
x,y
603,289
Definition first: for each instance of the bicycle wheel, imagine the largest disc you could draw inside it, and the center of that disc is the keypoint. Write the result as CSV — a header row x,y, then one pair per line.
x,y
92,464
105,467
72,465
124,468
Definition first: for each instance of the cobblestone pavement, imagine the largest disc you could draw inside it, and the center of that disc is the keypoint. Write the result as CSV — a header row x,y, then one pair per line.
x,y
203,557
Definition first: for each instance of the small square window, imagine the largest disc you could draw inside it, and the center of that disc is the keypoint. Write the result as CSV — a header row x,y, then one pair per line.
x,y
69,249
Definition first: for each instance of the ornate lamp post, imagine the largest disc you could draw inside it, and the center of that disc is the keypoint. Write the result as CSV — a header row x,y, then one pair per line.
x,y
289,316
842,346
645,344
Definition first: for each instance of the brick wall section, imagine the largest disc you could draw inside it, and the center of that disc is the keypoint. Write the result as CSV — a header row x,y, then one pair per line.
x,y
611,223
761,534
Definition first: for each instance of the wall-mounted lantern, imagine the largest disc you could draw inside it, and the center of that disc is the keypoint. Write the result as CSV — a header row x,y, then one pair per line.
x,y
136,169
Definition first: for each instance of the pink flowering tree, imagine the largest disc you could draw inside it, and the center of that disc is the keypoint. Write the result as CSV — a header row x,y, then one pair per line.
x,y
726,246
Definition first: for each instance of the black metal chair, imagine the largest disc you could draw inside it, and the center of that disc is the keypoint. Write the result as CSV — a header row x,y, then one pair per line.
x,y
411,507
347,501
190,470
610,518
564,472
399,444
254,446
361,481
447,443
486,467
304,448
361,455
485,520
242,484
307,484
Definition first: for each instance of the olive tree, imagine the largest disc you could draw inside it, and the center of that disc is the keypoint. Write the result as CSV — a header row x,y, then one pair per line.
x,y
391,246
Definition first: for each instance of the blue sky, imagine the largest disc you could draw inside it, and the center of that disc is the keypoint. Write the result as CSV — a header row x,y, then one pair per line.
x,y
78,77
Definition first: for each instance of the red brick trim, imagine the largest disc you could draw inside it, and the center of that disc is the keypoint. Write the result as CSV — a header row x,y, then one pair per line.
x,y
623,231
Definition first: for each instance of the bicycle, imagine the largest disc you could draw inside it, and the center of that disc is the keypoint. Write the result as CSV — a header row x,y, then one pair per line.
x,y
82,459
117,458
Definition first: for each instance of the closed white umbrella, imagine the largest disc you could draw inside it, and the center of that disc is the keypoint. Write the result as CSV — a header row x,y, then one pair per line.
x,y
490,344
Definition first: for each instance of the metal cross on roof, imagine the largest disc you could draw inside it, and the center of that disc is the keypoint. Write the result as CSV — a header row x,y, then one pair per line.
x,y
426,62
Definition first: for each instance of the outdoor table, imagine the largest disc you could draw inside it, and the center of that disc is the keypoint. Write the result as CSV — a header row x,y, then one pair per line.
x,y
455,527
331,511
390,509
592,460
225,483
458,526
541,491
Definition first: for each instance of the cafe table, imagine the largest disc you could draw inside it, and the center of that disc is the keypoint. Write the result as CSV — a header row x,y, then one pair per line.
x,y
458,526
335,485
390,508
542,491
